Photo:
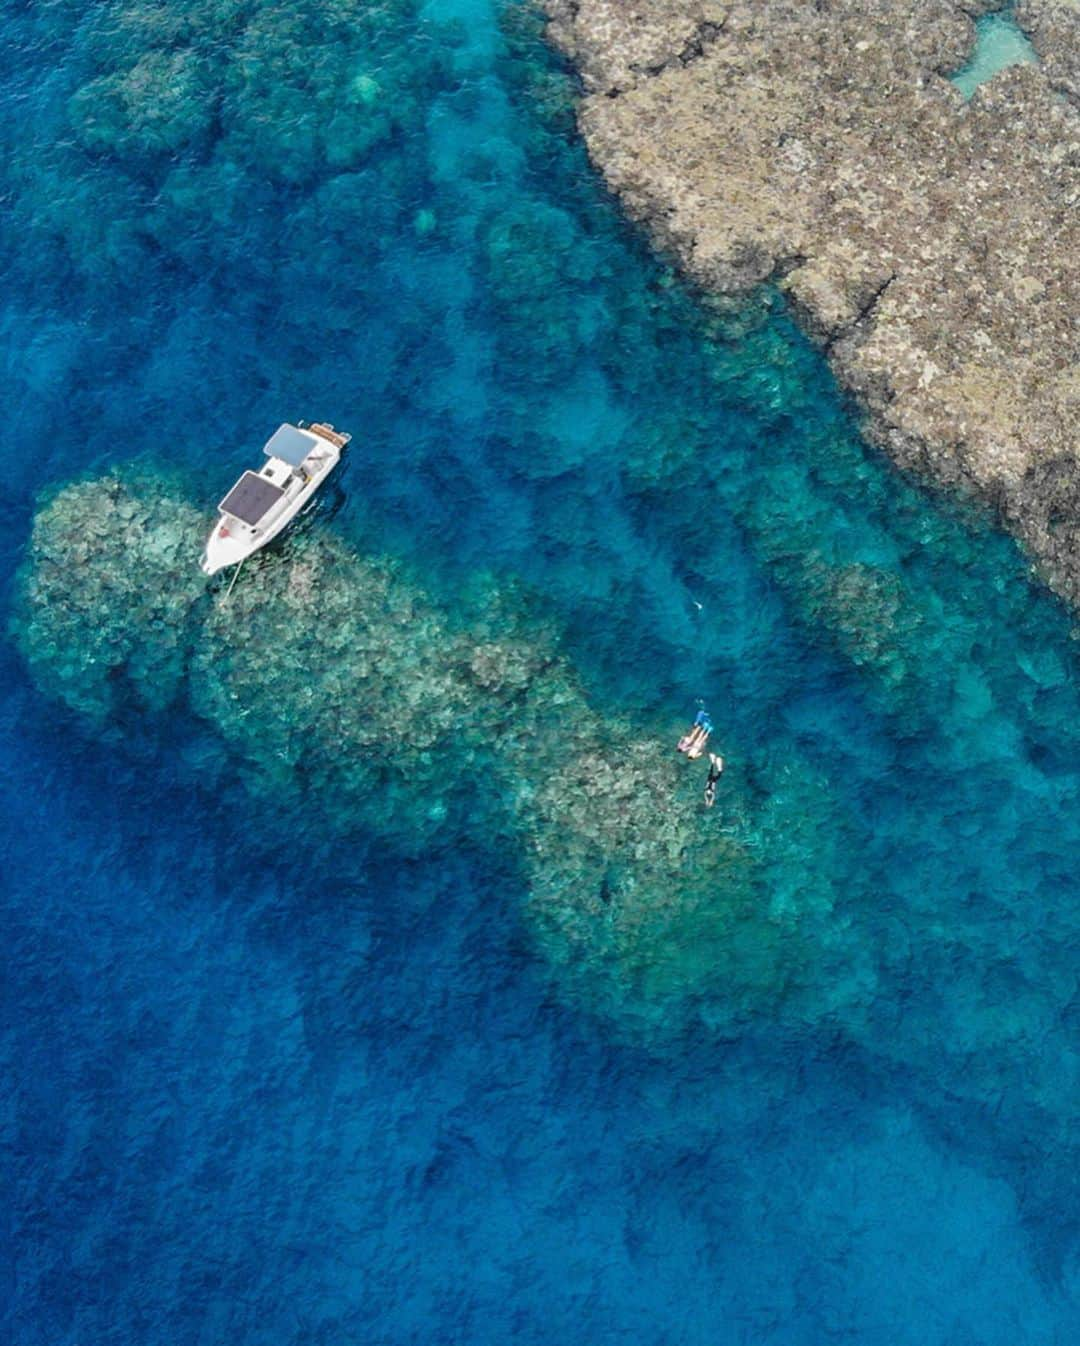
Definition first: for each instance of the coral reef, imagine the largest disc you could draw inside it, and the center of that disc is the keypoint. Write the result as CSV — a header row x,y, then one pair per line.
x,y
178,117
112,631
289,90
925,242
339,687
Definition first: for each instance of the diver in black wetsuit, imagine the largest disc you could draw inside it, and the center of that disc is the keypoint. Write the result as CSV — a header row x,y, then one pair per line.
x,y
716,765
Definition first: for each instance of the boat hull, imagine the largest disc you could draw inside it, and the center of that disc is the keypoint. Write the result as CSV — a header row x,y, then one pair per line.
x,y
232,542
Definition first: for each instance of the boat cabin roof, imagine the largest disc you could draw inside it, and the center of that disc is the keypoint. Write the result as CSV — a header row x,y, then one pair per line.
x,y
290,444
251,498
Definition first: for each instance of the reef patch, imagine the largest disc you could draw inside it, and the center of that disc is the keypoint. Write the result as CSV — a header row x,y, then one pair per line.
x,y
342,690
926,243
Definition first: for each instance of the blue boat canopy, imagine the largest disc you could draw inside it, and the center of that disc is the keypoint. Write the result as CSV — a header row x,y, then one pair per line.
x,y
289,444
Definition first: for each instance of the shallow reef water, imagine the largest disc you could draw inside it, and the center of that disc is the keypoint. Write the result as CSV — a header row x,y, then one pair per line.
x,y
374,972
337,687
999,42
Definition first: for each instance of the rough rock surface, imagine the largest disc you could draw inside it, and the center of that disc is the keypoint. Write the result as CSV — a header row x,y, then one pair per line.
x,y
929,244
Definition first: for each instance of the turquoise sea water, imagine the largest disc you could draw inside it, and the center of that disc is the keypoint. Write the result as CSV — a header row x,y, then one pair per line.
x,y
999,42
280,1084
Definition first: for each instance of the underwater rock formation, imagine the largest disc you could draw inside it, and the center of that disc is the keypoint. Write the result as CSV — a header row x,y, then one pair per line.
x,y
339,688
118,631
337,685
174,118
291,89
928,244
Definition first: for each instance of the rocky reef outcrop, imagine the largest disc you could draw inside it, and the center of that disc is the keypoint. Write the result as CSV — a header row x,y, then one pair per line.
x,y
928,243
362,707
338,687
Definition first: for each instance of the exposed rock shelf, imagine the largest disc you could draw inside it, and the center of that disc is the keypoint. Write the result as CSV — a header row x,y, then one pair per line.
x,y
929,244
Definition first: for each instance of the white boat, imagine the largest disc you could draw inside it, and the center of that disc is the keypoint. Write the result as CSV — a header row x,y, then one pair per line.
x,y
300,458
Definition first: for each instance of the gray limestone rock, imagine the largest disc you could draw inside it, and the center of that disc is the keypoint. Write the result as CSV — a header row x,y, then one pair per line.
x,y
929,244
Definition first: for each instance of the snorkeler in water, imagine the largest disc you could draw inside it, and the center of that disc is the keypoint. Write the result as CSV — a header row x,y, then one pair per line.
x,y
693,742
716,765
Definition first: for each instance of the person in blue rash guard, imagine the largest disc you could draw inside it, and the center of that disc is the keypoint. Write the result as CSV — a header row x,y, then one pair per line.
x,y
693,743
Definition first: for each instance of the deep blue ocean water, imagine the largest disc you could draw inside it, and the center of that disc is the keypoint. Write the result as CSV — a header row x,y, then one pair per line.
x,y
262,1092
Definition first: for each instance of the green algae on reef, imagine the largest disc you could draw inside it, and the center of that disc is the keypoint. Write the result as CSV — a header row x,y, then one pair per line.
x,y
336,683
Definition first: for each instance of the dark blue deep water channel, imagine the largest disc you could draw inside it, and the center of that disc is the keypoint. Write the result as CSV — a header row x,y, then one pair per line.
x,y
267,1080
